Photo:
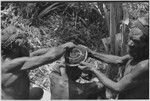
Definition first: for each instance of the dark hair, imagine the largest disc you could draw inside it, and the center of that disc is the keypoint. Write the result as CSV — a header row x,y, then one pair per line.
x,y
8,50
145,38
12,38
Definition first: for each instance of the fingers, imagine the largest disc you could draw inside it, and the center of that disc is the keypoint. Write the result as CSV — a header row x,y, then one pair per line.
x,y
87,66
81,67
69,45
85,63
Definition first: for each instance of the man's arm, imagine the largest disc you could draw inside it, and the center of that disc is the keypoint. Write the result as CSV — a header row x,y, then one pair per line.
x,y
128,81
33,62
39,52
43,51
59,83
109,58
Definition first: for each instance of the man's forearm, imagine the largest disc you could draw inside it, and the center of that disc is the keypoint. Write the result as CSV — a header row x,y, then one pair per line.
x,y
39,52
44,50
105,80
25,63
52,55
33,62
108,58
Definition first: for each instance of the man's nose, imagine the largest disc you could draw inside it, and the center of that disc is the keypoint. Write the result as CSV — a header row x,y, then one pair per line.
x,y
130,43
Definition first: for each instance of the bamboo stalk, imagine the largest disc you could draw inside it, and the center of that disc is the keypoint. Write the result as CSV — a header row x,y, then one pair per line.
x,y
124,32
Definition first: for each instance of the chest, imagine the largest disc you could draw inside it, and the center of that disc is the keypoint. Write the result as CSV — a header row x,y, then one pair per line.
x,y
130,66
128,69
133,68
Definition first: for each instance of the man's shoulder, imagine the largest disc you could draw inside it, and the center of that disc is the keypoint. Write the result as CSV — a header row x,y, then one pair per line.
x,y
144,65
12,63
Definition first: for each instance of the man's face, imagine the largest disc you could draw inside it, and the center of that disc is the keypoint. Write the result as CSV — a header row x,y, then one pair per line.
x,y
135,44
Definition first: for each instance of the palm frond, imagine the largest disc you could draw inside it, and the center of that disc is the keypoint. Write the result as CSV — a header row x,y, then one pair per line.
x,y
49,9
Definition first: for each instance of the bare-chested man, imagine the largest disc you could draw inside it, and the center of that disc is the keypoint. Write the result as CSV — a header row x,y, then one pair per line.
x,y
16,62
135,81
64,85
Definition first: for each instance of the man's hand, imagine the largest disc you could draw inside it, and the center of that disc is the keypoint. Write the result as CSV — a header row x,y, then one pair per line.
x,y
86,66
68,45
88,49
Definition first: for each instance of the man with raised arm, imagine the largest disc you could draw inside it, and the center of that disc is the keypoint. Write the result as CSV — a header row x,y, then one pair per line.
x,y
135,81
16,62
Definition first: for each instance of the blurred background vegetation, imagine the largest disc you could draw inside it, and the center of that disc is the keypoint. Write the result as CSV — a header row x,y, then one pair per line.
x,y
97,25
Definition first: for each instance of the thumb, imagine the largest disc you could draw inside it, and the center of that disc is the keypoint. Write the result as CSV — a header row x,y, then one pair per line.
x,y
83,63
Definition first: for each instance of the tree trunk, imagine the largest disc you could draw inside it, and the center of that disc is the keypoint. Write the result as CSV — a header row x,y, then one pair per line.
x,y
112,27
115,18
118,19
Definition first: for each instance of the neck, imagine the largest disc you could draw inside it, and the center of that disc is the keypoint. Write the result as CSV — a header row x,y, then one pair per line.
x,y
140,55
139,58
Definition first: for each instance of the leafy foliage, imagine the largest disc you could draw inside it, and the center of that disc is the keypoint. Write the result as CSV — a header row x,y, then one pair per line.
x,y
136,9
